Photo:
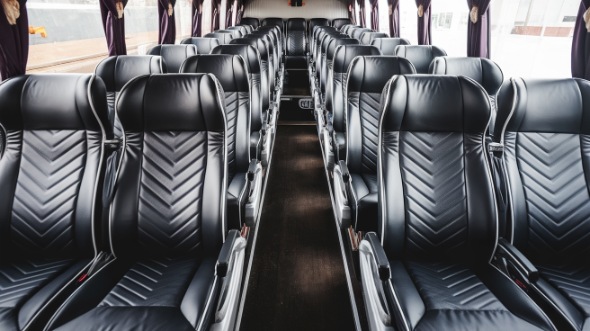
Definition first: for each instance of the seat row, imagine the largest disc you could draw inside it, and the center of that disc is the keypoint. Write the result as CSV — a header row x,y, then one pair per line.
x,y
128,233
477,235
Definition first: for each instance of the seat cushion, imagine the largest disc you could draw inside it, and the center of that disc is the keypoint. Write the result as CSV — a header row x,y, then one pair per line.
x,y
27,286
154,294
364,201
448,296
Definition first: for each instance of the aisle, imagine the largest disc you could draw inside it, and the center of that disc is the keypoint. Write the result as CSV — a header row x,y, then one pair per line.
x,y
297,280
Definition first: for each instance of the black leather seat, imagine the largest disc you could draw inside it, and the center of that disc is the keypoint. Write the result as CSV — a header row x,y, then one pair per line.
x,y
543,126
224,38
243,31
204,45
311,24
274,21
357,33
438,220
247,27
340,22
368,37
357,190
116,71
296,43
421,56
267,103
173,55
244,172
278,39
321,47
323,60
336,117
486,72
236,33
253,21
268,56
327,61
258,115
172,252
388,45
346,28
55,127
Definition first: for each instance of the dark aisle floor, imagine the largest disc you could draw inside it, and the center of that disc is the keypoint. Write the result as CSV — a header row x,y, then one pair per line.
x,y
297,281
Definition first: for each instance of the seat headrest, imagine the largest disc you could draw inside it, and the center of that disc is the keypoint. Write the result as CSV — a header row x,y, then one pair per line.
x,y
257,42
239,28
116,71
340,22
173,55
318,22
223,37
277,21
369,74
368,37
54,102
253,21
234,33
388,45
356,33
296,24
344,54
434,103
334,43
420,55
484,71
250,55
144,104
543,105
204,44
230,70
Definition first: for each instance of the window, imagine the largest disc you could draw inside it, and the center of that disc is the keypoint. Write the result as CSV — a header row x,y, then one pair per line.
x,y
383,16
449,26
75,39
141,25
408,20
533,38
184,19
368,13
206,17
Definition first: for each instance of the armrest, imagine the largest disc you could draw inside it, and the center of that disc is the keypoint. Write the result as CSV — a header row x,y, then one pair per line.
x,y
254,193
344,170
226,252
380,256
517,260
341,179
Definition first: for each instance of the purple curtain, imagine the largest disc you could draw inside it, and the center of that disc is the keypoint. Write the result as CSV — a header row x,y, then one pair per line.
x,y
167,23
215,15
581,45
14,43
228,13
197,12
394,22
240,14
362,22
424,23
113,23
351,11
374,14
478,33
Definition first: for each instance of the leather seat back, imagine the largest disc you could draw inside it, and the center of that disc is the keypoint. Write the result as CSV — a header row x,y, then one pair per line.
x,y
343,56
173,55
246,27
329,57
486,72
357,33
421,56
321,45
178,145
274,21
346,28
231,72
234,33
204,44
270,57
116,71
272,45
435,191
251,58
340,22
223,37
277,39
311,24
367,76
261,46
54,126
240,28
388,45
253,21
319,31
296,37
544,126
368,37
